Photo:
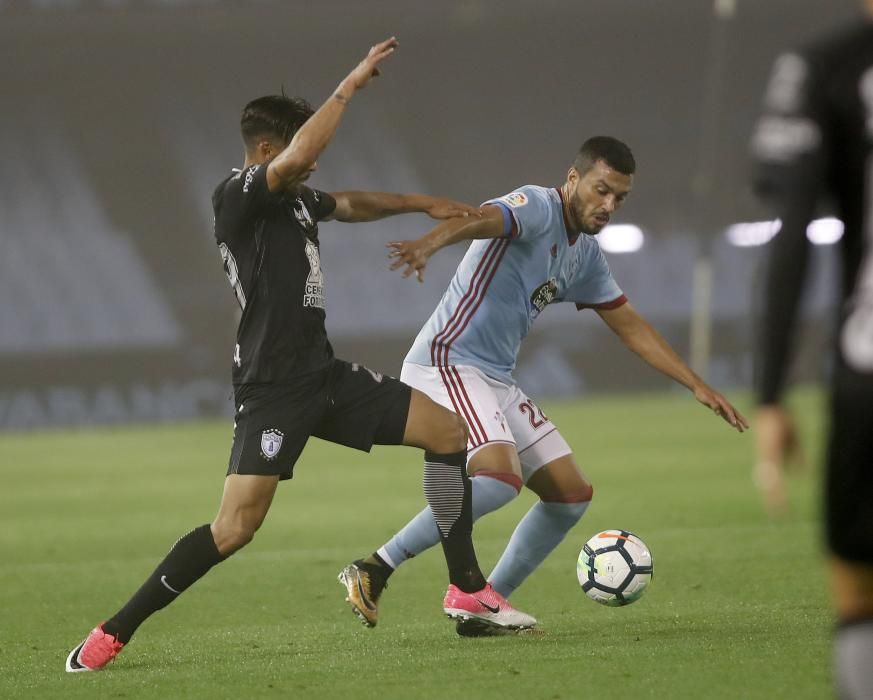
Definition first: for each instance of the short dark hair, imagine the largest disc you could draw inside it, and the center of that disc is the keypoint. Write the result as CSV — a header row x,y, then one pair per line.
x,y
273,117
613,152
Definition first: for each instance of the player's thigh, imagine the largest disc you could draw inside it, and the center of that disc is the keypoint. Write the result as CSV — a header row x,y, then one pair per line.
x,y
468,393
365,408
433,427
428,421
272,425
561,481
538,440
495,458
852,588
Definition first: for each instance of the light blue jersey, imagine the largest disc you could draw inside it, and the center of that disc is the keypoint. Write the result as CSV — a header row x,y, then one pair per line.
x,y
503,284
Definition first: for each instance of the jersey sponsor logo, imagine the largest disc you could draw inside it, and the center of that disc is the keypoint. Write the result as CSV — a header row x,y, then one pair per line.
x,y
313,294
516,199
271,443
250,176
544,294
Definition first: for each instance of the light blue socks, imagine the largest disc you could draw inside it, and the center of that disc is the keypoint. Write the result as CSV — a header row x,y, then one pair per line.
x,y
421,532
541,530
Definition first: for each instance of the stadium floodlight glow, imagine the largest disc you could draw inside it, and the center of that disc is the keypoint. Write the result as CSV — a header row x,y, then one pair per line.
x,y
621,238
825,231
753,233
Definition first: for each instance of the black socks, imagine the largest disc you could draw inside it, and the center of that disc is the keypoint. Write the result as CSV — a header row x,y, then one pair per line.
x,y
189,559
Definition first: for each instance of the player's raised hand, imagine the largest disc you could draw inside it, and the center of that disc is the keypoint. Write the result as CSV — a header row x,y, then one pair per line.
x,y
368,69
449,209
410,255
721,407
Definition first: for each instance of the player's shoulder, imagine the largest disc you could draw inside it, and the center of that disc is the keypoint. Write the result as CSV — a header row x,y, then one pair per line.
x,y
221,188
310,196
526,195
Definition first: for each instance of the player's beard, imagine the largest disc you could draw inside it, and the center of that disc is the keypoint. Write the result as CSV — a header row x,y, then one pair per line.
x,y
592,230
580,223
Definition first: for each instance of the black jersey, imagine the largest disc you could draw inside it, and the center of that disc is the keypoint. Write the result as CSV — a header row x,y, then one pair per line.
x,y
269,244
813,142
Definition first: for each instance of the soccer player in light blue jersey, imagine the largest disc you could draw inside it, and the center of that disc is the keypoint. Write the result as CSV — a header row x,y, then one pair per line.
x,y
531,248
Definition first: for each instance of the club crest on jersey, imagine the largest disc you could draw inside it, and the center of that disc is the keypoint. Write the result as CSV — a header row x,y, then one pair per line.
x,y
544,294
271,443
301,213
516,199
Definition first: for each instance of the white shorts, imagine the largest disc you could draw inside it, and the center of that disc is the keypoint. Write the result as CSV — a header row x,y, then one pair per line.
x,y
495,412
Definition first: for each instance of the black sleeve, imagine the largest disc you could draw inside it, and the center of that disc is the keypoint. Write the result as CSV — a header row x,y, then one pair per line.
x,y
247,191
790,147
323,204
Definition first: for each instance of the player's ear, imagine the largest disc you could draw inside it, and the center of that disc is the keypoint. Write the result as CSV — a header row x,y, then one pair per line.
x,y
266,149
573,176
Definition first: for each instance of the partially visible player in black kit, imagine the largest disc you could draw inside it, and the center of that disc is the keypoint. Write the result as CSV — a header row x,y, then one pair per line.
x,y
815,141
287,383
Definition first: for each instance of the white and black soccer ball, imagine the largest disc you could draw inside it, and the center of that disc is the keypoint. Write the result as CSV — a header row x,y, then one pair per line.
x,y
614,567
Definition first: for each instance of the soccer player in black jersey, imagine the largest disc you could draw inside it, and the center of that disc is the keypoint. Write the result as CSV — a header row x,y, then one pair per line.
x,y
815,141
287,383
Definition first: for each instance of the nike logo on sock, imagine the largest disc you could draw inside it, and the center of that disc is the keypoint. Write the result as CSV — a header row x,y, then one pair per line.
x,y
168,586
495,609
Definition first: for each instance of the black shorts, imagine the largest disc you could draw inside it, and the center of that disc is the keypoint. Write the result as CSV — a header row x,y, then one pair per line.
x,y
849,480
346,403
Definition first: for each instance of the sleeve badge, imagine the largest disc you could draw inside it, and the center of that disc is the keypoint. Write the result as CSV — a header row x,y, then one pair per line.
x,y
516,199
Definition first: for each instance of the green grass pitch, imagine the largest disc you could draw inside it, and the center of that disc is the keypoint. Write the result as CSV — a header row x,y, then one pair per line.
x,y
737,609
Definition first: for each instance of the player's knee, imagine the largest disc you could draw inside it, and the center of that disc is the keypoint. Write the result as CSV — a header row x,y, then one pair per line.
x,y
460,433
581,493
451,436
231,536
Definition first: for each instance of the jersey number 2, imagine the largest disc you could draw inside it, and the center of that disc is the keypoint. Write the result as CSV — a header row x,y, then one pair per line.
x,y
534,414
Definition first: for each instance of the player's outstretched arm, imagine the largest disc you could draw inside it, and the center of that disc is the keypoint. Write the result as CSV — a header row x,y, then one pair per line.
x,y
370,206
412,256
646,342
292,165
